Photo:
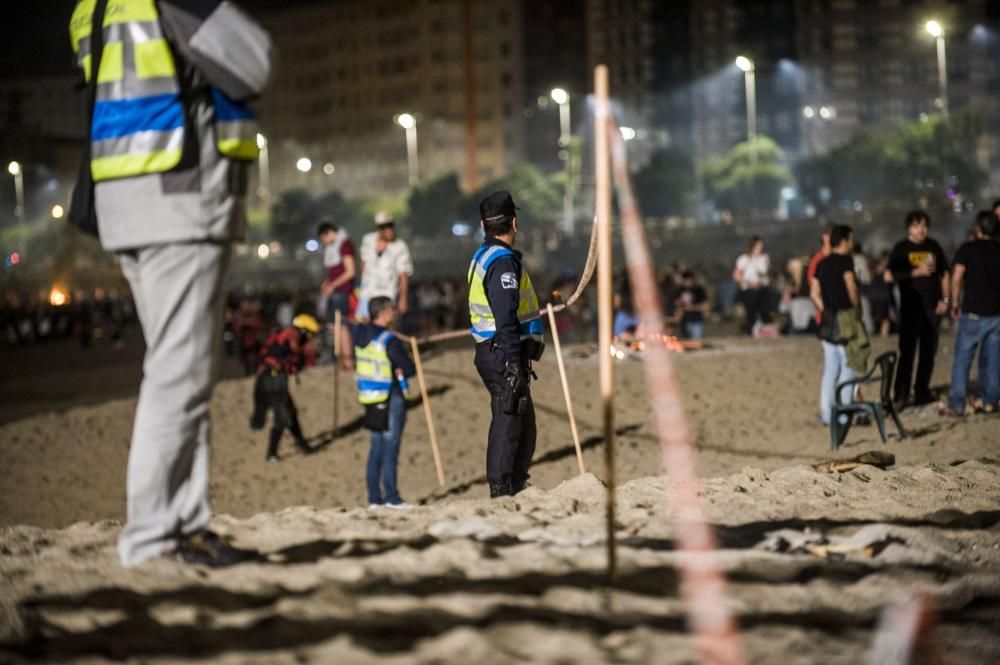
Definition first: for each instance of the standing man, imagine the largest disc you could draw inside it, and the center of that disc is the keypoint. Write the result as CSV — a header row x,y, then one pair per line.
x,y
386,266
837,295
383,368
338,259
507,327
171,142
975,304
919,267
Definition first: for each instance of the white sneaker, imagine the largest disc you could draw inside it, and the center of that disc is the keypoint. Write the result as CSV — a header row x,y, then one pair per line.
x,y
402,505
373,506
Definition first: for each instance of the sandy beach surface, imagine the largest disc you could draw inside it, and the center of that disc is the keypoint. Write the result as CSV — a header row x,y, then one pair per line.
x,y
517,580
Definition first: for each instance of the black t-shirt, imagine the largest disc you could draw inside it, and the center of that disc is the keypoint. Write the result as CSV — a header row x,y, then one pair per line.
x,y
830,273
981,283
920,291
694,295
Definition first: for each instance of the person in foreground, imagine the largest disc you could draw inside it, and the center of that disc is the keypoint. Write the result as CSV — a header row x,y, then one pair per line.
x,y
382,369
975,302
836,293
285,353
507,328
171,140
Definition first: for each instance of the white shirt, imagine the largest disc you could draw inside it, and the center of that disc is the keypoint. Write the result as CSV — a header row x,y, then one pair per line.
x,y
754,269
380,276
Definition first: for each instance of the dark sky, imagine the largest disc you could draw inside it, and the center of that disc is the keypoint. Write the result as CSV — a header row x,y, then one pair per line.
x,y
34,35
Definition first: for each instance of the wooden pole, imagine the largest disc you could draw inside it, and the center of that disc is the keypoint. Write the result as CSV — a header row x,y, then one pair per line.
x,y
602,168
336,370
565,386
425,398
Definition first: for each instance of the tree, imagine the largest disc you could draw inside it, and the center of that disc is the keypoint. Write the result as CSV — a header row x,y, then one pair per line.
x,y
539,199
666,184
922,163
749,178
434,206
293,218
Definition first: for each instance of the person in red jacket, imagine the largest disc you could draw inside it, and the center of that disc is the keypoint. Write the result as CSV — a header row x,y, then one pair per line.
x,y
285,353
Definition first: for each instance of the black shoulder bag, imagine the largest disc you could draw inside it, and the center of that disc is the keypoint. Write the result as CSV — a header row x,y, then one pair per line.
x,y
82,211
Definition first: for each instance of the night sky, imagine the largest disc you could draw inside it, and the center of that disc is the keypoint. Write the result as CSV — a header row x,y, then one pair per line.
x,y
34,35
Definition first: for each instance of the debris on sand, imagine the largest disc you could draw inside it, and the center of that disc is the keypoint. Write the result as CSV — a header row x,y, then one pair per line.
x,y
871,458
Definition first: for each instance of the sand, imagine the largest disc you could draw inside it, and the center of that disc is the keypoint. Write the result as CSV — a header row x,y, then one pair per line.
x,y
517,580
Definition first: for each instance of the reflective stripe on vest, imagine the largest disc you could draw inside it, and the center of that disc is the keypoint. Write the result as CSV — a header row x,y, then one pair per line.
x,y
139,120
373,370
484,325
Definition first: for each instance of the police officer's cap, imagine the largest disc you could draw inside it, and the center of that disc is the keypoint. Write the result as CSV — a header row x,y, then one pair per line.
x,y
497,205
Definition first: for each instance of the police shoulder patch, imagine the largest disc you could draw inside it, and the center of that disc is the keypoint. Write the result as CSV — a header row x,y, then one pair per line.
x,y
508,280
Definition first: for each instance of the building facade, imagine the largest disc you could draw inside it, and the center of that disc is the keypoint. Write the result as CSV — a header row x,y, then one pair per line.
x,y
344,71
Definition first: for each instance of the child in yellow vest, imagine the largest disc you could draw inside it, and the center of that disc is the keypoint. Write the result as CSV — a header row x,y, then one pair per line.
x,y
382,368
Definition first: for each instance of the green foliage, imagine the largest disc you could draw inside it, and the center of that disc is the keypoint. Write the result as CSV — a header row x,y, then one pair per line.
x,y
434,206
749,178
914,164
538,197
666,185
296,214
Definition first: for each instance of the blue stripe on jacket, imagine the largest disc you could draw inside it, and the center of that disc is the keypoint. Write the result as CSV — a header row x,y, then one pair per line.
x,y
226,109
365,384
122,117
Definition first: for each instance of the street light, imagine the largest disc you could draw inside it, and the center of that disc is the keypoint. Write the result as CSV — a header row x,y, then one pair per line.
x,y
750,80
936,30
263,168
304,164
58,212
561,97
627,133
14,168
408,122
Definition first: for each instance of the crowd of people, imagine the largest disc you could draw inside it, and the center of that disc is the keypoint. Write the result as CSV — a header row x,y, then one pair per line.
x,y
91,319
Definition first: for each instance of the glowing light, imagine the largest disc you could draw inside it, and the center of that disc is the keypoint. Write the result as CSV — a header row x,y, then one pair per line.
x,y
744,63
559,96
304,164
14,168
826,112
263,251
15,258
406,121
329,168
58,296
58,212
935,29
627,133
261,141
809,112
311,245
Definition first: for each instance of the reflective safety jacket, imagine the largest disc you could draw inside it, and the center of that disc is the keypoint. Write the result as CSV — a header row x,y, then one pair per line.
x,y
373,370
484,323
139,116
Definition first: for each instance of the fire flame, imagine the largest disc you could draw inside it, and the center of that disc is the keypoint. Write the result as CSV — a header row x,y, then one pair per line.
x,y
58,296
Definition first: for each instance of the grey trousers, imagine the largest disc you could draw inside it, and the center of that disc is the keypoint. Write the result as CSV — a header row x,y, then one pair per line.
x,y
178,291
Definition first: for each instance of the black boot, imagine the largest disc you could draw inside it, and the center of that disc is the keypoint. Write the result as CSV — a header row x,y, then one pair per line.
x,y
272,446
518,483
500,489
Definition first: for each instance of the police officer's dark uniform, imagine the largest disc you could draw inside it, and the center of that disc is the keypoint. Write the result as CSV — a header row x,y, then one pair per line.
x,y
507,327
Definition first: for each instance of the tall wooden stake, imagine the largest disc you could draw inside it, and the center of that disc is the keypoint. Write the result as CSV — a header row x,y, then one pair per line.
x,y
565,387
602,167
336,370
425,398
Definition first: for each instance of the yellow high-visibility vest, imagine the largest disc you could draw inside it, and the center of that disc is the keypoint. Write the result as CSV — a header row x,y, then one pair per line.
x,y
484,324
138,120
373,370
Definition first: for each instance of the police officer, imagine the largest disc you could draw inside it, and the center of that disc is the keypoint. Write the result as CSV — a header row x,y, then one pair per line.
x,y
507,327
